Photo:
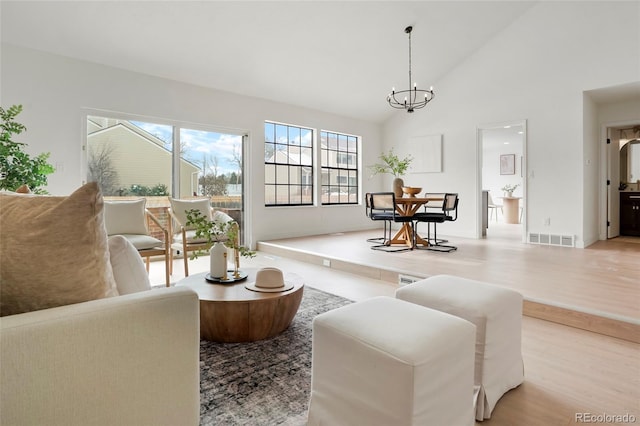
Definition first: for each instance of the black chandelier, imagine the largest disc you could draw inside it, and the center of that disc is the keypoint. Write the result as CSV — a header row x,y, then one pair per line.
x,y
410,99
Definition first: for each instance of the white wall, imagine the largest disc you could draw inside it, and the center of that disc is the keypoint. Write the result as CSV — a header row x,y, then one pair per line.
x,y
535,70
54,90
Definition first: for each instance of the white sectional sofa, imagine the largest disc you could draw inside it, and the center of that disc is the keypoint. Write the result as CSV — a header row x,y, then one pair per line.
x,y
84,339
125,360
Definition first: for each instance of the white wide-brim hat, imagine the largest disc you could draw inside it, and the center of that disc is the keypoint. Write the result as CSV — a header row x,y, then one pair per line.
x,y
269,280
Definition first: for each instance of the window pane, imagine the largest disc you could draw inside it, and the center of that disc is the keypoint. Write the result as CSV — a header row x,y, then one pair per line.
x,y
269,132
270,194
306,158
269,152
352,144
295,175
324,158
342,143
281,134
269,173
294,135
294,194
282,174
307,195
306,137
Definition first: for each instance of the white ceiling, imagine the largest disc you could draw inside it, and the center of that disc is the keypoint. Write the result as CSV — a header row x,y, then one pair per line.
x,y
341,57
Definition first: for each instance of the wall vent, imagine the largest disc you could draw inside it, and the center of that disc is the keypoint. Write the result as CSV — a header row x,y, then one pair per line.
x,y
407,279
551,239
567,241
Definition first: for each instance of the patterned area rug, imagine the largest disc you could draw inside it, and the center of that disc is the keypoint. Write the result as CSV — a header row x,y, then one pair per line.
x,y
266,382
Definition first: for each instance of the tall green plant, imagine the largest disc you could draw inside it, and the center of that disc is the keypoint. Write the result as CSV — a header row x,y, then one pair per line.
x,y
16,166
391,163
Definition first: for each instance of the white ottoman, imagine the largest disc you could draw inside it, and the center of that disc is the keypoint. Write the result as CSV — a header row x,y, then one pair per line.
x,y
386,362
497,314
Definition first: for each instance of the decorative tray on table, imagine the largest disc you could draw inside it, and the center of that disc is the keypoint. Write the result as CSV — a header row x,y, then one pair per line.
x,y
230,277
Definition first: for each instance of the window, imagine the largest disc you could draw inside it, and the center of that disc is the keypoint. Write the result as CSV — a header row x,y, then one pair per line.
x,y
339,159
288,165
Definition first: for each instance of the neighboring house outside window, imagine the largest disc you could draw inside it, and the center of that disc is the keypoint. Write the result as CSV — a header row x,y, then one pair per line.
x,y
339,161
288,165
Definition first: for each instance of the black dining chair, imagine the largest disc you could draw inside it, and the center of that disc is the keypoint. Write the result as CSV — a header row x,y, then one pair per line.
x,y
387,222
448,212
382,207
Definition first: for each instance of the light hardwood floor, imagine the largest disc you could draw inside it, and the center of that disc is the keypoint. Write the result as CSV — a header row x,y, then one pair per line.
x,y
567,370
597,288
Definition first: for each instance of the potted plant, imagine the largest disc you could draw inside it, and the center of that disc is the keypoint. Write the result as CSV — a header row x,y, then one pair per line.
x,y
508,189
219,236
392,164
17,168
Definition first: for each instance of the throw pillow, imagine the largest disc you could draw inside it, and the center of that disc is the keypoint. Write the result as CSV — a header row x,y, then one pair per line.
x,y
125,217
53,251
179,209
128,268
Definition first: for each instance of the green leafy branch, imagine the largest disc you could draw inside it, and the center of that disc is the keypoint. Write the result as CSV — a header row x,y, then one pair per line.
x,y
217,231
391,163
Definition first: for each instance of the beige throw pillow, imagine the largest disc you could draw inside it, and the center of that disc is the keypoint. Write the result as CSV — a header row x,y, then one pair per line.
x,y
125,217
179,209
53,251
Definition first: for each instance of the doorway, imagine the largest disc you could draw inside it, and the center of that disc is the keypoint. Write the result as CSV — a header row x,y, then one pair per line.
x,y
623,169
502,181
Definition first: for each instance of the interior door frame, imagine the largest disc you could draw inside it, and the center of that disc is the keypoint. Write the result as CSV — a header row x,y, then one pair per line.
x,y
610,205
479,157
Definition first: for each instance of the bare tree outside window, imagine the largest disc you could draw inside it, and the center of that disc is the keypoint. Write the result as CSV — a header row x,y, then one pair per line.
x,y
102,170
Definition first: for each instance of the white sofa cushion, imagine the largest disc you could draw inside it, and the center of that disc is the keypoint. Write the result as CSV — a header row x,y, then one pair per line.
x,y
125,217
53,250
128,268
143,242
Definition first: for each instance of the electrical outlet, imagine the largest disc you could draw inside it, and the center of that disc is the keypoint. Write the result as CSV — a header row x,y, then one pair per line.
x,y
326,262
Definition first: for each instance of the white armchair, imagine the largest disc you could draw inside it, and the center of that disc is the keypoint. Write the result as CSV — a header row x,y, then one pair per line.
x,y
131,220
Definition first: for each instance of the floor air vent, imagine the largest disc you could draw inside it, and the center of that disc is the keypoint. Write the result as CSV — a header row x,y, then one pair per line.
x,y
407,279
551,239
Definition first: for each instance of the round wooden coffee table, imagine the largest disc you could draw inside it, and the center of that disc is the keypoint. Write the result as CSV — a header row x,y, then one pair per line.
x,y
233,313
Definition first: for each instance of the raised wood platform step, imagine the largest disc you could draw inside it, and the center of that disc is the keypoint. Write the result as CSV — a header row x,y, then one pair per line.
x,y
593,320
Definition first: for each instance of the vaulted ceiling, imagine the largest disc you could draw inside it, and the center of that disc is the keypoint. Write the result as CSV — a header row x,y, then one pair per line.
x,y
340,57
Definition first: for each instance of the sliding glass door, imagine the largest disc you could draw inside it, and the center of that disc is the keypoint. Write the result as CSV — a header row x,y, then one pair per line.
x,y
131,159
